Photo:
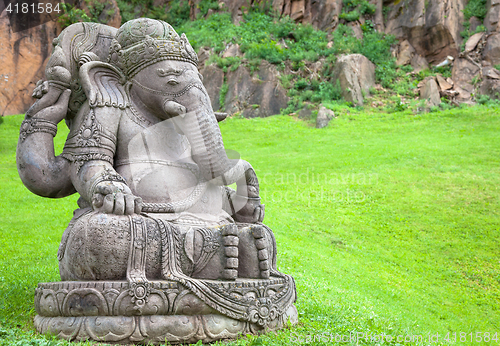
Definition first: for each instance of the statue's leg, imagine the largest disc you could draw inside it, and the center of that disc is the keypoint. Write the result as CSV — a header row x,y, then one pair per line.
x,y
229,252
96,246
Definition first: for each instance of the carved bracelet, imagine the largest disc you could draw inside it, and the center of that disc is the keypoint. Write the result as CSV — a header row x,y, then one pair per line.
x,y
107,175
32,125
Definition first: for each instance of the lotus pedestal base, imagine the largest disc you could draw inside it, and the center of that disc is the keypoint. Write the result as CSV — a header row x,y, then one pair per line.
x,y
109,312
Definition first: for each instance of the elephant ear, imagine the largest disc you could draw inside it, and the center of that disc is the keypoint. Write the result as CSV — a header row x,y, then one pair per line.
x,y
104,85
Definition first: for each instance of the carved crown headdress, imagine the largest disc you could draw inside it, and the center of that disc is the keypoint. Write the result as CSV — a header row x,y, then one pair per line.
x,y
144,41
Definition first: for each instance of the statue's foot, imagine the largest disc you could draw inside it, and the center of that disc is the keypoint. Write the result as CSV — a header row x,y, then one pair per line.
x,y
236,253
255,250
212,252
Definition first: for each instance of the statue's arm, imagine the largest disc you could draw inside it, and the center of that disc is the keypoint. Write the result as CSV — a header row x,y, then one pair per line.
x,y
40,170
91,144
92,147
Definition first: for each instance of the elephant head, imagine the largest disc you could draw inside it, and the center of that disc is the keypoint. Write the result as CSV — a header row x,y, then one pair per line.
x,y
162,78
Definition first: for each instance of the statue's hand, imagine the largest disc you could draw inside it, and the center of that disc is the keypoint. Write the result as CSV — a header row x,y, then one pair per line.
x,y
252,212
247,192
112,197
52,106
41,89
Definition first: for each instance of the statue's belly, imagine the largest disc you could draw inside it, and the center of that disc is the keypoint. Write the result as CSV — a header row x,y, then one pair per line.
x,y
175,183
157,164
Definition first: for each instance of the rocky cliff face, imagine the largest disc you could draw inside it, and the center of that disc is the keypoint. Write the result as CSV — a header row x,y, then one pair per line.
x,y
431,26
23,55
429,32
323,15
255,95
491,22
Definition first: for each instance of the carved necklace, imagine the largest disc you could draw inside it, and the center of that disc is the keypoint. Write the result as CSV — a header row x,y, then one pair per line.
x,y
138,118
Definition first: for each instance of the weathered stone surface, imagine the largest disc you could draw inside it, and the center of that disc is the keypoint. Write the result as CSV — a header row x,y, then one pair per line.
x,y
322,14
491,52
232,50
464,94
474,22
203,54
419,63
405,54
464,71
492,16
491,72
213,78
432,27
305,113
297,10
356,75
152,330
23,55
379,15
79,309
490,87
356,29
260,95
324,117
451,95
429,91
443,84
462,74
472,42
67,298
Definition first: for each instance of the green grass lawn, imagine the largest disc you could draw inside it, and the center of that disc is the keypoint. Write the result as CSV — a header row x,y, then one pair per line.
x,y
389,223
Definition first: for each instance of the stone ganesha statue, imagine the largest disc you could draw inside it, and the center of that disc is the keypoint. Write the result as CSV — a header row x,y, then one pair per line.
x,y
160,249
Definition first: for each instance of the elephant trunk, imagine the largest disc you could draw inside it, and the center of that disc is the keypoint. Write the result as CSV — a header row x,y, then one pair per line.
x,y
200,126
207,147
